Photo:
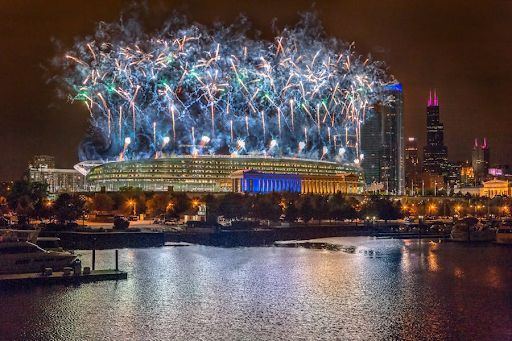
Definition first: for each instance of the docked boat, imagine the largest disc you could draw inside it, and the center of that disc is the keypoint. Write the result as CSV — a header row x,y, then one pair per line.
x,y
22,256
504,233
471,230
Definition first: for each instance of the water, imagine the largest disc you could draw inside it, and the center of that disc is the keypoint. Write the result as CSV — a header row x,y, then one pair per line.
x,y
385,289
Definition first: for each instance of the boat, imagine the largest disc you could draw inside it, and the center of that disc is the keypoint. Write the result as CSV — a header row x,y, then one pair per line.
x,y
504,233
472,230
49,243
19,255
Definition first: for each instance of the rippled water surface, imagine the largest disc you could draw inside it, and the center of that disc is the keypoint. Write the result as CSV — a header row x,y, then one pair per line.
x,y
380,289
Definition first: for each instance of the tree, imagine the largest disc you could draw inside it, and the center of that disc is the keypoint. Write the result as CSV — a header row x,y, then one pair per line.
x,y
339,208
102,202
234,205
132,199
181,203
291,212
24,209
320,207
27,198
69,207
212,208
160,203
306,208
382,208
266,207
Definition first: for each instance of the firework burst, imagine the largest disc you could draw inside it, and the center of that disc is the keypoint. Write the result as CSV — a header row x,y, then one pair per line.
x,y
192,89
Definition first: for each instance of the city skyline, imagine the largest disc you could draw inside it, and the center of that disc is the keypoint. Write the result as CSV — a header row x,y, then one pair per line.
x,y
48,125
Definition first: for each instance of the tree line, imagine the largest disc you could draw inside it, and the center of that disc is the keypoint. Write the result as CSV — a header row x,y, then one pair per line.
x,y
31,201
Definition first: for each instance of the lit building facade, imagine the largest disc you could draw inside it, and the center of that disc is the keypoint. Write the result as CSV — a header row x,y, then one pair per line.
x,y
435,153
480,160
382,142
412,165
495,187
214,173
42,169
251,181
58,180
453,173
467,175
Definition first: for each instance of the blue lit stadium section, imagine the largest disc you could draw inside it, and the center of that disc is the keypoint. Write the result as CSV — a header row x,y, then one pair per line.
x,y
257,182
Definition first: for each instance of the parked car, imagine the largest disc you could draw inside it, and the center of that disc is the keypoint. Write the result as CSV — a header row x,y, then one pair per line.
x,y
121,223
133,218
171,221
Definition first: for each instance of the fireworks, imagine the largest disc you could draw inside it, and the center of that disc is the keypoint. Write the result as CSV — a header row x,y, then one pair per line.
x,y
191,89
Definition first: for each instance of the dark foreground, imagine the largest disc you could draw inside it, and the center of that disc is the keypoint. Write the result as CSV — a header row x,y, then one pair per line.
x,y
377,290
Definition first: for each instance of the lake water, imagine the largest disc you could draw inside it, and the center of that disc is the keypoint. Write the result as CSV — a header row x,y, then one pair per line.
x,y
382,290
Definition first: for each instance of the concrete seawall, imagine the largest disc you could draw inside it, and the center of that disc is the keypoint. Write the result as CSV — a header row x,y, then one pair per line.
x,y
107,240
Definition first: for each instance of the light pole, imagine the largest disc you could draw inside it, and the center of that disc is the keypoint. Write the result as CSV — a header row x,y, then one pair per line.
x,y
133,203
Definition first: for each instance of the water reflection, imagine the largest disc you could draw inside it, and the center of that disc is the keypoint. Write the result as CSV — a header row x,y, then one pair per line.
x,y
382,289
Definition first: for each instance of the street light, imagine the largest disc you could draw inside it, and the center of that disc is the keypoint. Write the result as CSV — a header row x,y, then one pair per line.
x,y
195,203
133,203
431,208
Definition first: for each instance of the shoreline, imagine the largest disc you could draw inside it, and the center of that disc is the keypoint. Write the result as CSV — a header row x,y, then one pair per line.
x,y
222,238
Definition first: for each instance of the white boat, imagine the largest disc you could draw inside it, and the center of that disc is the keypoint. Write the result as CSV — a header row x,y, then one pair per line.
x,y
17,255
470,230
25,257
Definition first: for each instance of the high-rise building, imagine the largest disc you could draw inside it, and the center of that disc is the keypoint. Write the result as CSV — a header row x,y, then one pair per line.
x,y
412,164
382,143
467,175
42,169
480,160
435,153
454,173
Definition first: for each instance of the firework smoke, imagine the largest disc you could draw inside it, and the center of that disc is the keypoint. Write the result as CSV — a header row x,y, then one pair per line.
x,y
190,89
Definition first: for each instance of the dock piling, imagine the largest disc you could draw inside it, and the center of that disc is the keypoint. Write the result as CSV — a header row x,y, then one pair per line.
x,y
94,259
117,260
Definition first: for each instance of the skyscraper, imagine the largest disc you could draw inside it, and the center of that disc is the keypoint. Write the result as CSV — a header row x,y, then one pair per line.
x,y
435,153
382,143
412,167
480,160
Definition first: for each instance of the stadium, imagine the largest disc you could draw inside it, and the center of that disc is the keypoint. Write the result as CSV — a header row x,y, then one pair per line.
x,y
226,173
195,109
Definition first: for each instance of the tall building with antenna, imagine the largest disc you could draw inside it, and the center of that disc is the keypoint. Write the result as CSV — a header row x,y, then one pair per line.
x,y
480,160
435,153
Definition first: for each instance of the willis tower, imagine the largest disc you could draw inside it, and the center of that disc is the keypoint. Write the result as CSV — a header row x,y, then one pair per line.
x,y
435,153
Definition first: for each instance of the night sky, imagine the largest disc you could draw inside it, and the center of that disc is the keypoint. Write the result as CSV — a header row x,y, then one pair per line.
x,y
461,48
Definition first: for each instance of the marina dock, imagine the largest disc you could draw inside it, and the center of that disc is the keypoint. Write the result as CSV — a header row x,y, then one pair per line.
x,y
60,278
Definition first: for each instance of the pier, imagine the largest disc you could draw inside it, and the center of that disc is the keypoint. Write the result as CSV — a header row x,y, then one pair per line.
x,y
70,275
60,277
